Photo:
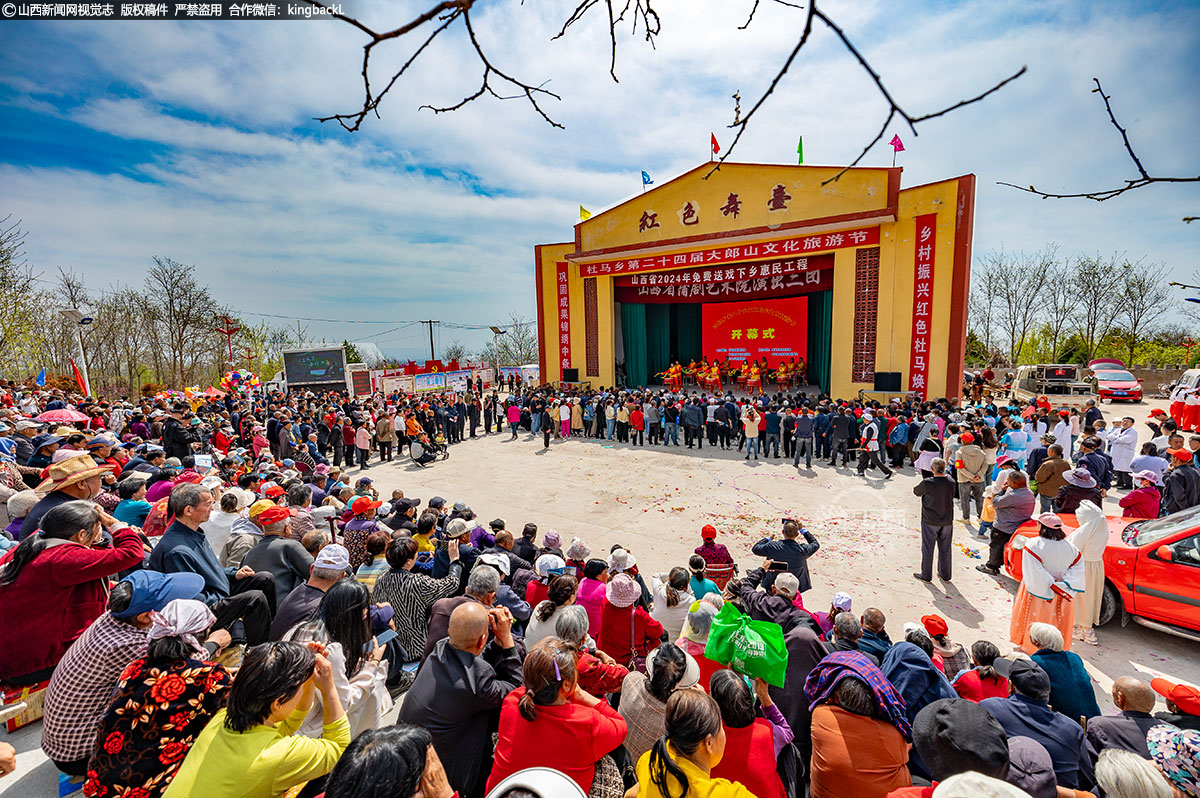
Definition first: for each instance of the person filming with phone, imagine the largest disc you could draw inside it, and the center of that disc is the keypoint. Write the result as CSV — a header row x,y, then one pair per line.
x,y
788,555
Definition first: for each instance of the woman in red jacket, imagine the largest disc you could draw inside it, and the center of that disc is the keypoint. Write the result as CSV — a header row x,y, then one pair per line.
x,y
981,681
627,632
551,722
752,744
1143,502
54,584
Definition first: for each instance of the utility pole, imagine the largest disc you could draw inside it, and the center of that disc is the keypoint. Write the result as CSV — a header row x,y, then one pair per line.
x,y
430,322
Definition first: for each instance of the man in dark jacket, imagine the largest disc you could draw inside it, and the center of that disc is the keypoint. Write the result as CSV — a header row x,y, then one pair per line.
x,y
692,419
803,428
821,432
1181,483
1127,730
874,640
458,693
937,521
790,551
176,437
1097,462
774,604
842,428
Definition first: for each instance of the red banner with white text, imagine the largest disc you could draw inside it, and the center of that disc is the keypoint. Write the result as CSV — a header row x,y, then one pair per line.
x,y
564,317
925,241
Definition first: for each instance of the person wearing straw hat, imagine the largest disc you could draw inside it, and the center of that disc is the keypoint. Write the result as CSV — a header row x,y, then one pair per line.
x,y
74,478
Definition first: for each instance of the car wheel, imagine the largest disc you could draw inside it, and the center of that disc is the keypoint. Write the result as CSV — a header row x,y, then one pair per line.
x,y
1110,604
1107,400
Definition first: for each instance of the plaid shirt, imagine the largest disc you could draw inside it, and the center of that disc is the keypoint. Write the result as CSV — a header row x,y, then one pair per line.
x,y
645,716
82,686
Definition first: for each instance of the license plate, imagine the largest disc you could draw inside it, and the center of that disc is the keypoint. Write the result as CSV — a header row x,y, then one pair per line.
x,y
1120,393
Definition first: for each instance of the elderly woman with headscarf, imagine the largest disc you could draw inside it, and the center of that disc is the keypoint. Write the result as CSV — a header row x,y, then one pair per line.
x,y
1053,573
598,672
163,701
860,731
576,556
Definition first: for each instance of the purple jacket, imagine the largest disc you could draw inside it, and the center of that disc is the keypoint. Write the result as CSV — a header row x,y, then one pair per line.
x,y
481,538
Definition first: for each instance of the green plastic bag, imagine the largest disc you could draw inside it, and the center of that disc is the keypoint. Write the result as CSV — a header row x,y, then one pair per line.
x,y
753,648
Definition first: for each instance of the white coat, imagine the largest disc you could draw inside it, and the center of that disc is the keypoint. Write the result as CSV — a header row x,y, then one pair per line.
x,y
1122,447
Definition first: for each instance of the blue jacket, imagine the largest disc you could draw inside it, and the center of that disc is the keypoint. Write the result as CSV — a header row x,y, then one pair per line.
x,y
773,420
1101,467
874,643
1070,686
805,426
183,550
792,552
1062,737
821,424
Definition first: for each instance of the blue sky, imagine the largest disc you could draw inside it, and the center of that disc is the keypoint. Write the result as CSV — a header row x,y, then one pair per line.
x,y
119,141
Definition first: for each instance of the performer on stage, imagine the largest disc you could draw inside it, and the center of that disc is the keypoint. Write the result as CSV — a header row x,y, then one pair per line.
x,y
754,380
712,380
675,377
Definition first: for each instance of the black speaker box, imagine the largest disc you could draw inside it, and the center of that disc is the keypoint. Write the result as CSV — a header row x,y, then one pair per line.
x,y
572,375
887,381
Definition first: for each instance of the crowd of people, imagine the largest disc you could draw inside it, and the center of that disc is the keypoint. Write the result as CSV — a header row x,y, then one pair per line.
x,y
211,614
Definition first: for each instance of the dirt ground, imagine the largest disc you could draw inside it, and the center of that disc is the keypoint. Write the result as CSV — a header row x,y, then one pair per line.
x,y
654,501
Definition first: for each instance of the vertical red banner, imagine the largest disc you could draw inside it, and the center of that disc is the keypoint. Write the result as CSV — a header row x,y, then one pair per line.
x,y
925,241
564,319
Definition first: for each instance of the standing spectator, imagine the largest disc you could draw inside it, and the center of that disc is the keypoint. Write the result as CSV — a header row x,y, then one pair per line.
x,y
1122,446
937,521
1014,506
1052,573
805,430
362,442
970,469
1049,475
1080,486
1091,538
385,436
1181,483
789,551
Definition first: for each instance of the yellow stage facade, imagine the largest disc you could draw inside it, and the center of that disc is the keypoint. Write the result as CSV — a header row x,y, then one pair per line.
x,y
885,269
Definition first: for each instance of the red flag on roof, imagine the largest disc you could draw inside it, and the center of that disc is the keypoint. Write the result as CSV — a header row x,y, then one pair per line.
x,y
716,148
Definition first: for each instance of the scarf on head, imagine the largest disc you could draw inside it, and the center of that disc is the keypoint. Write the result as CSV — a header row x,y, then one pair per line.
x,y
824,679
181,618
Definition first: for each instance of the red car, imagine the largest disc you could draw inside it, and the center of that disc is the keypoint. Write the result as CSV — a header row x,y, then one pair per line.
x,y
1117,386
1151,570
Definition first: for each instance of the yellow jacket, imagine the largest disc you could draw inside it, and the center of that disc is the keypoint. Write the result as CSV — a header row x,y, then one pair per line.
x,y
700,784
264,762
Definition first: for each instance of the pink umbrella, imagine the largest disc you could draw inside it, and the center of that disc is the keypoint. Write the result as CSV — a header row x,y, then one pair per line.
x,y
64,416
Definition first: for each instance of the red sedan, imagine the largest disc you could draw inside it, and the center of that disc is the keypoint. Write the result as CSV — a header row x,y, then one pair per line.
x,y
1117,386
1151,570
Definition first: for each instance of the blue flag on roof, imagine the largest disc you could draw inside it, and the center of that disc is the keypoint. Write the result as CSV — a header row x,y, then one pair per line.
x,y
41,378
646,181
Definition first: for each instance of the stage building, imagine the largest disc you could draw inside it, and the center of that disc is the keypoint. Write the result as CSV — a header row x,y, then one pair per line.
x,y
864,280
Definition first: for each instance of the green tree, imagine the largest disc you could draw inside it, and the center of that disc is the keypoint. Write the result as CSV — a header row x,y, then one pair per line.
x,y
352,355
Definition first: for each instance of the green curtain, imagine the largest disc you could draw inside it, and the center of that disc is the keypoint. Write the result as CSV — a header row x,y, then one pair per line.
x,y
686,332
658,340
633,331
820,337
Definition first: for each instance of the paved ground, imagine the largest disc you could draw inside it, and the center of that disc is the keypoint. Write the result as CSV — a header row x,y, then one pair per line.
x,y
654,502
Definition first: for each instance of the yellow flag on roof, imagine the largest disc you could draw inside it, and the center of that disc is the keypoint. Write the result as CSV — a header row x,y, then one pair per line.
x,y
584,213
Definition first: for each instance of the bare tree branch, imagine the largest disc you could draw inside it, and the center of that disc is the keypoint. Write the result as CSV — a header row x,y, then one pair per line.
x,y
894,108
1144,178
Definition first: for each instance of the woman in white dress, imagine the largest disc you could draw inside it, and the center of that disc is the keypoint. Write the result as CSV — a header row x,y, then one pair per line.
x,y
1052,576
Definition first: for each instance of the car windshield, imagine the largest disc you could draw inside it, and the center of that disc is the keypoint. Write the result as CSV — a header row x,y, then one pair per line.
x,y
1115,376
1144,533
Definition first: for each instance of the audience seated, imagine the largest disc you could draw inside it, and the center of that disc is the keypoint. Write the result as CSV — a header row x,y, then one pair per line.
x,y
644,695
1071,690
411,594
330,565
981,680
459,690
162,703
752,744
627,632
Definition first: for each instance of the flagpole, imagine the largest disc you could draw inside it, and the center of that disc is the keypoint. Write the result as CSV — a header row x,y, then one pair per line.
x,y
893,156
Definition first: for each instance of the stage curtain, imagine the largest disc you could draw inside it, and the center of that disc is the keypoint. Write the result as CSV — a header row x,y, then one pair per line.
x,y
686,332
658,340
633,324
820,337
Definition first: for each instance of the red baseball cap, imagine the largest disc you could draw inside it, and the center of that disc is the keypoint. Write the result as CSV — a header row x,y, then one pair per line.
x,y
274,492
1184,696
274,514
967,437
1157,413
1183,455
708,532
